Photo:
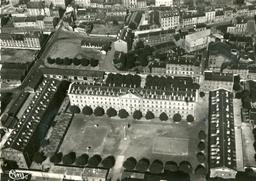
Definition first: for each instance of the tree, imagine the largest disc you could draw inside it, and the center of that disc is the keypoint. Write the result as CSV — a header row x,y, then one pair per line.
x,y
99,111
200,157
190,118
137,114
74,109
130,163
202,94
59,61
87,110
142,165
163,116
82,159
240,2
171,166
85,62
176,117
39,157
69,158
200,170
156,167
149,115
185,166
111,112
201,145
94,161
109,162
123,113
94,62
67,61
76,61
50,60
55,21
254,131
201,135
56,158
139,44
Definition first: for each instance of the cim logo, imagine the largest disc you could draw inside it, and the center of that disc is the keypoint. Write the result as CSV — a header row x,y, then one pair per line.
x,y
18,175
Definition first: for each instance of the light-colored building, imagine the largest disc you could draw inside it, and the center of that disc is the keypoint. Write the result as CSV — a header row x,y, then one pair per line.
x,y
169,19
240,28
164,3
130,3
158,101
225,150
183,66
29,22
197,40
210,16
20,41
217,80
83,3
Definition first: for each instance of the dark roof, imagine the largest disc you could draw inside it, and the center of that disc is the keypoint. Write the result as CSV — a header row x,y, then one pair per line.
x,y
217,76
18,103
9,121
154,18
174,93
157,33
169,45
12,74
219,13
221,130
25,128
72,72
174,59
35,4
97,41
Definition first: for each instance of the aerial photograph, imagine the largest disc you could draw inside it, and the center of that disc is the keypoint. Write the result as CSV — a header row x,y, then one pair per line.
x,y
128,90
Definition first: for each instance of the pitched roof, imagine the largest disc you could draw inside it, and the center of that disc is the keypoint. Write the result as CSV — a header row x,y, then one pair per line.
x,y
217,76
221,130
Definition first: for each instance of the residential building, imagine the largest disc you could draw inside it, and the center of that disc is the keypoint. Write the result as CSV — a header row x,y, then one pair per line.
x,y
48,23
183,66
158,68
191,19
141,3
20,41
37,8
210,16
28,22
60,3
178,100
219,17
169,19
130,3
72,74
217,80
26,137
225,145
134,19
156,37
240,28
86,15
196,41
164,3
95,42
124,40
83,3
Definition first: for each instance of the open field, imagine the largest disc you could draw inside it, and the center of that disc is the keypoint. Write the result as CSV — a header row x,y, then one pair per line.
x,y
68,44
143,139
17,56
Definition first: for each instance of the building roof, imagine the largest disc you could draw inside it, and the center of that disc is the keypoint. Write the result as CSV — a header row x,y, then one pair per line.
x,y
28,123
184,60
157,33
217,76
197,35
17,104
221,130
72,72
97,41
169,13
8,121
105,90
35,4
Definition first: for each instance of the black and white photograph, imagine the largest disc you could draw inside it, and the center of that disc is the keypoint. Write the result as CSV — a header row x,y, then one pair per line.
x,y
128,90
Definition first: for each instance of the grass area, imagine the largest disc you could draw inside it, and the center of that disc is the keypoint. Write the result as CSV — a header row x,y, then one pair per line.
x,y
108,138
17,56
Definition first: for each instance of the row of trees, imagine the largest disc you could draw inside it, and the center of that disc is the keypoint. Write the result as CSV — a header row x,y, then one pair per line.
x,y
75,61
157,166
72,158
122,113
125,80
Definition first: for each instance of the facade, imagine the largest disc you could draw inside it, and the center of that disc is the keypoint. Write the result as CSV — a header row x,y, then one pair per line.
x,y
240,28
210,16
222,143
169,19
164,3
156,37
197,40
83,3
131,99
37,8
183,66
216,80
130,3
20,41
29,22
